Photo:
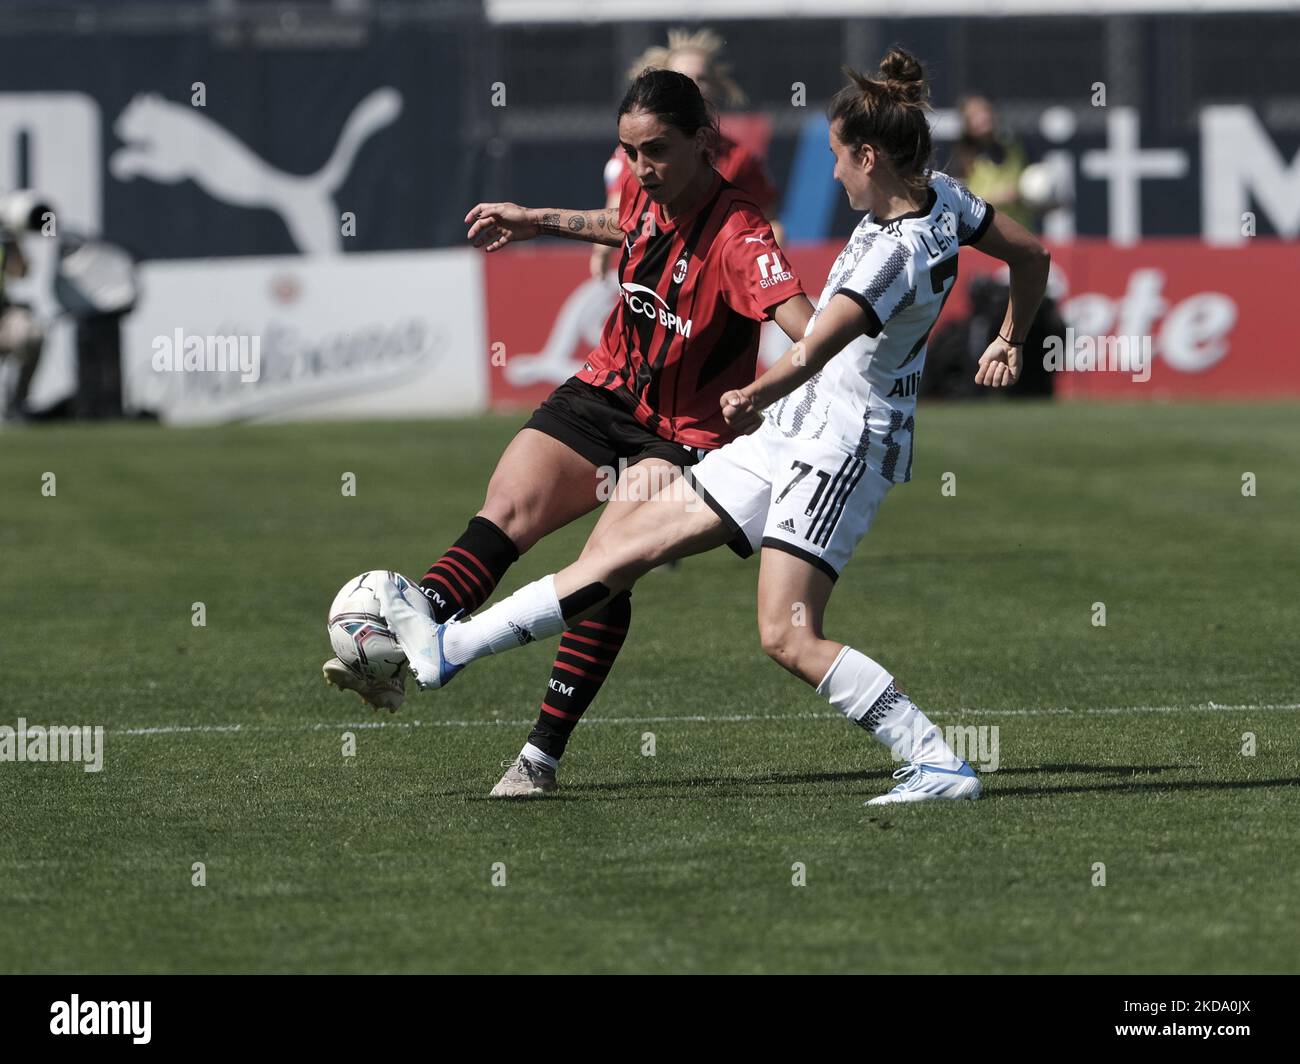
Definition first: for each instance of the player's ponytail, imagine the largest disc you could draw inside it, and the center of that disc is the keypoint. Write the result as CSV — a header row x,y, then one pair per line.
x,y
676,101
889,112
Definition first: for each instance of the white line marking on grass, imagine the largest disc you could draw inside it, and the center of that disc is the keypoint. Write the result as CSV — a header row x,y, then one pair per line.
x,y
185,729
1208,707
736,718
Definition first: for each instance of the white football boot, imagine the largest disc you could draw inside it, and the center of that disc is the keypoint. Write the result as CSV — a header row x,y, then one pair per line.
x,y
927,783
524,779
377,694
410,617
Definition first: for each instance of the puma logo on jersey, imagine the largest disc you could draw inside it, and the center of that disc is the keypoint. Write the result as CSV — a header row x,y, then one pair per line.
x,y
755,240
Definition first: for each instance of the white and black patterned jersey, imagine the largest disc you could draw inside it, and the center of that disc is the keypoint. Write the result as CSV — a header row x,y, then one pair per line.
x,y
900,273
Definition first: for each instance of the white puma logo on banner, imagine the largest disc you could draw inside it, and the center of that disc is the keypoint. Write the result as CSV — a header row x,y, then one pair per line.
x,y
171,142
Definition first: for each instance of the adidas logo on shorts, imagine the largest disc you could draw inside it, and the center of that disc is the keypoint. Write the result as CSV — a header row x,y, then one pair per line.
x,y
787,526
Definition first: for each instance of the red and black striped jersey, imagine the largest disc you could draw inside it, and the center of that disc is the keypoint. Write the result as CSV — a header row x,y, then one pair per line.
x,y
693,293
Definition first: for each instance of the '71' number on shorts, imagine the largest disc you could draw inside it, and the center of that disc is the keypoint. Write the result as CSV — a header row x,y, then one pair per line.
x,y
802,470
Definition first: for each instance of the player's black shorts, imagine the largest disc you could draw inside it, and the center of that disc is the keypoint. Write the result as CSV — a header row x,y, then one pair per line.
x,y
600,427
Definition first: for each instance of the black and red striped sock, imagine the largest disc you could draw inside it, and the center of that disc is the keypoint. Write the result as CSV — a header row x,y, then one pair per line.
x,y
464,577
587,652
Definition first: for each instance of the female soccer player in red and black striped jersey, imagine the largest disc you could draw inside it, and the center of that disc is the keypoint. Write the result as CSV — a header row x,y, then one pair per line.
x,y
700,270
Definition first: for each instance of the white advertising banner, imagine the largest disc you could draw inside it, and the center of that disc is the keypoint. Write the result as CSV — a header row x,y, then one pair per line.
x,y
392,334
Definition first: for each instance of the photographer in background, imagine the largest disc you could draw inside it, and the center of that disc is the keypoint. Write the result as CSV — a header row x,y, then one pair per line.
x,y
957,344
21,335
91,283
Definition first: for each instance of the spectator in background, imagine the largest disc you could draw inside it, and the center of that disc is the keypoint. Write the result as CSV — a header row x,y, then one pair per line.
x,y
988,163
698,56
21,336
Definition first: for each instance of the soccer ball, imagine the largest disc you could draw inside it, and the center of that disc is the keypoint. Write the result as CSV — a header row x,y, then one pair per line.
x,y
358,632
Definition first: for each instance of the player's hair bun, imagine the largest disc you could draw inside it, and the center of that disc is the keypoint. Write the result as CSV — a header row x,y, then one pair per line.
x,y
903,76
889,112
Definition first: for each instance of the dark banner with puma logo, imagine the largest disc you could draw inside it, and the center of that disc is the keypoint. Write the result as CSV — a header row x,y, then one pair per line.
x,y
329,133
180,145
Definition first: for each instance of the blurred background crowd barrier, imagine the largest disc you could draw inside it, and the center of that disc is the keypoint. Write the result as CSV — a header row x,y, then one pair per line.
x,y
282,187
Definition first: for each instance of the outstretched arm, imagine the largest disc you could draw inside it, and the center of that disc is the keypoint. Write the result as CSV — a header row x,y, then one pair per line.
x,y
1008,240
494,225
838,325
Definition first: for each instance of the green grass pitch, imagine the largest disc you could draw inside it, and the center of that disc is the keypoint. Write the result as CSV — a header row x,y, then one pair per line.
x,y
224,746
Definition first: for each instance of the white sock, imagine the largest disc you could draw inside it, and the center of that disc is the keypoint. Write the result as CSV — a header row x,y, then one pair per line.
x,y
539,757
865,692
532,612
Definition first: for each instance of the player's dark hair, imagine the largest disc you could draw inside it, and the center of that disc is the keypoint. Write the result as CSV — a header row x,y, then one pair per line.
x,y
675,100
889,113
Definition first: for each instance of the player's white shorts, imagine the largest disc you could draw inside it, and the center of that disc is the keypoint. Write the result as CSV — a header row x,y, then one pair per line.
x,y
809,498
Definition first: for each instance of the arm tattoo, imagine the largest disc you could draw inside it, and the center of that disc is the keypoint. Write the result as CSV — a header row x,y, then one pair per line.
x,y
600,227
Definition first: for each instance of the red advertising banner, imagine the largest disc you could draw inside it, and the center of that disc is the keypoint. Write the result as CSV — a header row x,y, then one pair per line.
x,y
1165,319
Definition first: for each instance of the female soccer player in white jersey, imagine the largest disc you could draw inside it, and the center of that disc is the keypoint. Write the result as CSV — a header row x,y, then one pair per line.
x,y
838,435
